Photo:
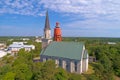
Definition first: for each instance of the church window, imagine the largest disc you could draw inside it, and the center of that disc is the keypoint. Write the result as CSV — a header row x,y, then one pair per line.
x,y
60,62
75,66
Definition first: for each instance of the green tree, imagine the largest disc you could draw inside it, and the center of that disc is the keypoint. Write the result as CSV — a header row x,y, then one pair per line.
x,y
36,69
93,77
9,76
75,77
4,69
61,74
48,70
22,72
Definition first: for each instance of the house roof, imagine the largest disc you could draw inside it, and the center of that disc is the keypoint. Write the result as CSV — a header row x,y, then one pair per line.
x,y
16,46
71,50
20,46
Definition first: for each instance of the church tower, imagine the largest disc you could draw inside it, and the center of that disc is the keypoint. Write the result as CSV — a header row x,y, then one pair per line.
x,y
47,33
57,33
47,30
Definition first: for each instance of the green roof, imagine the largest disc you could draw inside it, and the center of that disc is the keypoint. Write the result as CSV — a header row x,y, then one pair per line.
x,y
71,50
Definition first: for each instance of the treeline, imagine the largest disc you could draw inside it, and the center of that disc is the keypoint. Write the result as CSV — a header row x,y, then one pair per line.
x,y
88,40
108,60
22,67
106,67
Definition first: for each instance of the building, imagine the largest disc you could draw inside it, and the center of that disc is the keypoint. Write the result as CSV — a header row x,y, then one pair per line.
x,y
112,43
2,53
92,59
2,46
25,39
16,46
47,33
57,33
38,39
71,56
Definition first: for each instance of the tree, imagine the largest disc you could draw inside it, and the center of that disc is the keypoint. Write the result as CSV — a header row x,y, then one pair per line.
x,y
9,76
75,77
61,74
93,77
36,69
22,72
48,70
4,69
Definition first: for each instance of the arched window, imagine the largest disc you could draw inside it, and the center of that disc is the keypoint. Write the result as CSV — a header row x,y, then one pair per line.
x,y
60,62
44,59
67,65
75,66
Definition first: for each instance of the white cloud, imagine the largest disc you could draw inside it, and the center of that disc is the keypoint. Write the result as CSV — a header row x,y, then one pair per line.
x,y
92,24
23,7
86,8
92,28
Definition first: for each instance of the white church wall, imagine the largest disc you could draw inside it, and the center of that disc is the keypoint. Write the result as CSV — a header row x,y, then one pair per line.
x,y
64,61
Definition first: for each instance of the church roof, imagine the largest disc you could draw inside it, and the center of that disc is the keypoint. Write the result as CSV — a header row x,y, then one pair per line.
x,y
47,24
70,50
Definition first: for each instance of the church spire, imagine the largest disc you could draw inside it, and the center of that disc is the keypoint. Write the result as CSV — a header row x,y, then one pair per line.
x,y
47,25
47,31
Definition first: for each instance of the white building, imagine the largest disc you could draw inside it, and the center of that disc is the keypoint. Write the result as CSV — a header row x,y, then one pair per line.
x,y
2,53
38,40
25,39
2,46
112,43
16,46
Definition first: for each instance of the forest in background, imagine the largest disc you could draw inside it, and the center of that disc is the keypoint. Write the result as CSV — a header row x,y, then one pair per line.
x,y
22,67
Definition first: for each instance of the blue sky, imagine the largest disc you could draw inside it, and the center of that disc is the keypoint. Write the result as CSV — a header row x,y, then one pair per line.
x,y
78,18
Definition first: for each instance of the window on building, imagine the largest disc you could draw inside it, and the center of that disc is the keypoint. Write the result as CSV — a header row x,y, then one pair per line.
x,y
44,59
75,66
60,62
67,66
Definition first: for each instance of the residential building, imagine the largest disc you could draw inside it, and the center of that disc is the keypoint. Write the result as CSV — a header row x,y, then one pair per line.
x,y
112,43
2,46
2,53
25,39
16,46
38,40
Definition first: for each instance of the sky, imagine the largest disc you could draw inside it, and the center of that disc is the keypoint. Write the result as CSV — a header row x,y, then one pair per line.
x,y
77,18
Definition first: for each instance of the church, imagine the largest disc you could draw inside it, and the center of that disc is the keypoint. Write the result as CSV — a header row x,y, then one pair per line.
x,y
71,56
